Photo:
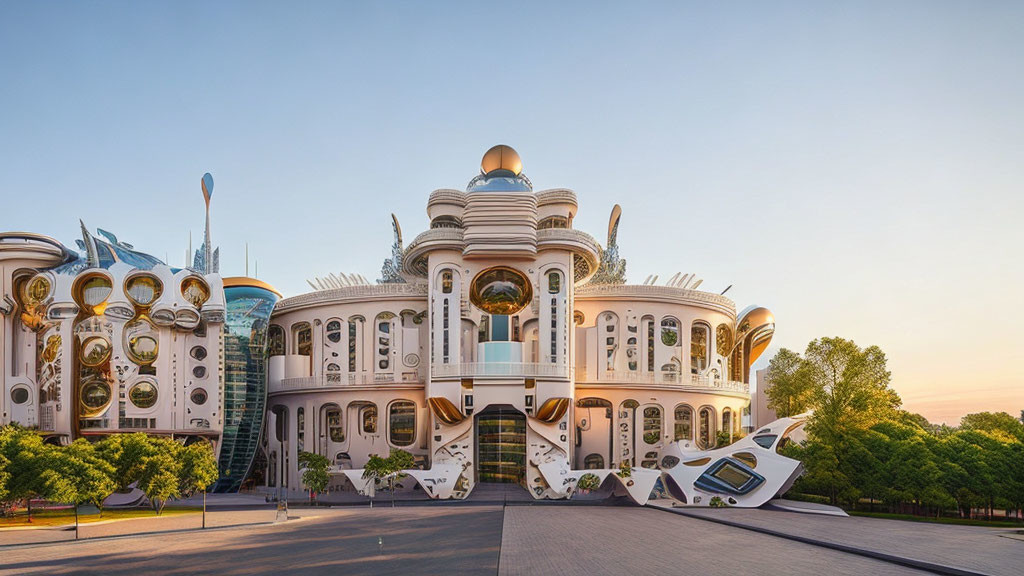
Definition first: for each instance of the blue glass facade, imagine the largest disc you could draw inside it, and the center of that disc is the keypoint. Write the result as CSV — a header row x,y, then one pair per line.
x,y
245,380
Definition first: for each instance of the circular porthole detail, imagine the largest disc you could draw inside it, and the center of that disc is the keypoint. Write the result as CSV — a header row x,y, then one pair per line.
x,y
95,396
19,395
198,352
143,394
141,340
198,396
143,289
195,291
36,290
92,291
95,351
500,290
199,371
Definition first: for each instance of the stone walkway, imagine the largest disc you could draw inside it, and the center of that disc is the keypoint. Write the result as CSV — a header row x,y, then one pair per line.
x,y
971,548
517,539
580,541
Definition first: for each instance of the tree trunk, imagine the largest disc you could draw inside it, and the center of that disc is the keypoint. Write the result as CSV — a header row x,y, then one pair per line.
x,y
76,520
28,506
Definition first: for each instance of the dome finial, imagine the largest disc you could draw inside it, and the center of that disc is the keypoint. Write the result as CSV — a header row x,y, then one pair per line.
x,y
501,157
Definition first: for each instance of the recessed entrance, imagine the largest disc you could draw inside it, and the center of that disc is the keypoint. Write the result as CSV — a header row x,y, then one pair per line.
x,y
501,445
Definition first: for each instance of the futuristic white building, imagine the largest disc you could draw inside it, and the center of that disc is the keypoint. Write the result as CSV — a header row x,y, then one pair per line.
x,y
503,345
500,345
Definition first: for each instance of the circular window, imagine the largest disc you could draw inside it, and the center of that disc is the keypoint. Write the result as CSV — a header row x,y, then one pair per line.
x,y
199,371
93,291
143,394
143,290
501,291
19,395
198,352
36,290
198,396
141,339
195,291
95,395
95,351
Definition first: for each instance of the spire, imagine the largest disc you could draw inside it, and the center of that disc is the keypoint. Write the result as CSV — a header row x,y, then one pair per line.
x,y
391,272
207,259
612,269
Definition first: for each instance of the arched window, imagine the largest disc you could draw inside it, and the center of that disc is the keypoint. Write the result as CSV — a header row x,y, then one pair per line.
x,y
652,425
275,340
610,334
684,422
554,289
723,340
727,420
706,427
384,339
649,323
300,428
446,282
335,427
699,339
669,332
593,462
402,423
369,418
334,330
353,342
302,338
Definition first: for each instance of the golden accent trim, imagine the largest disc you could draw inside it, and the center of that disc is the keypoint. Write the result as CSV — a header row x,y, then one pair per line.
x,y
445,410
250,282
553,409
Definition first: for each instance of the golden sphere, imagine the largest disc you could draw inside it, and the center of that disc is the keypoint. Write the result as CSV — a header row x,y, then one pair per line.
x,y
501,157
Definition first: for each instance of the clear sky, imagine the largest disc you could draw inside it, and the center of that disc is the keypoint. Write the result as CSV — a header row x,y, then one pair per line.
x,y
856,167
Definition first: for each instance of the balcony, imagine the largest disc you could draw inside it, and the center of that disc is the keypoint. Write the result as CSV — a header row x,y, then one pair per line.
x,y
500,369
342,381
691,382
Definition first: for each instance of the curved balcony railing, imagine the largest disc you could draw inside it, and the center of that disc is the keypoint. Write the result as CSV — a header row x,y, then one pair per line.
x,y
685,381
341,381
514,369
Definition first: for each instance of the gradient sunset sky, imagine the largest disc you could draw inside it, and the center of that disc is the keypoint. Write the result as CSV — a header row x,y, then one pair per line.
x,y
856,167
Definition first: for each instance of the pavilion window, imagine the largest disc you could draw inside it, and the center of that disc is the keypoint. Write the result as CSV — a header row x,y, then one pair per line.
x,y
700,335
683,422
402,423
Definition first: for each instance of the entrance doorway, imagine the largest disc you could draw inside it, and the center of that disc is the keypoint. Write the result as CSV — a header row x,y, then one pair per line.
x,y
501,445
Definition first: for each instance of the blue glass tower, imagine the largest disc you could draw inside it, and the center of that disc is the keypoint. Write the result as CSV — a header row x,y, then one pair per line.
x,y
249,305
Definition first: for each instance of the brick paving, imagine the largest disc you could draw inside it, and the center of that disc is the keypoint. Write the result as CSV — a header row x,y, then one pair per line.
x,y
972,548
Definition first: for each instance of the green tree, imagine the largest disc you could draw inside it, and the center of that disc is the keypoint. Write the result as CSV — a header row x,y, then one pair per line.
x,y
128,454
198,471
23,450
160,476
850,386
76,475
1000,424
315,476
389,469
790,389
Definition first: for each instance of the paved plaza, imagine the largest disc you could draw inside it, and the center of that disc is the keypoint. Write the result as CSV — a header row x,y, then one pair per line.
x,y
491,539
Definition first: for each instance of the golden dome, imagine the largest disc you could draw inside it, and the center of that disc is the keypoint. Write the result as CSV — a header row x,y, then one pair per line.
x,y
501,157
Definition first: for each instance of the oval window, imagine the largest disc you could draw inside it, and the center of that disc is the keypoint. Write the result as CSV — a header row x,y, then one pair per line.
x,y
95,351
195,291
19,395
143,290
95,395
199,371
198,396
93,291
501,290
198,352
143,394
